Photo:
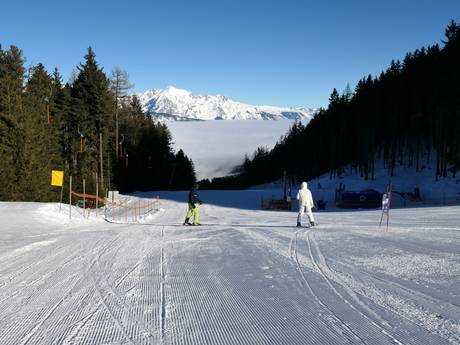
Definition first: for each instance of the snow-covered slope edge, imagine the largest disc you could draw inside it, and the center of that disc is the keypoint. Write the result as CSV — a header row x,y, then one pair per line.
x,y
178,104
444,190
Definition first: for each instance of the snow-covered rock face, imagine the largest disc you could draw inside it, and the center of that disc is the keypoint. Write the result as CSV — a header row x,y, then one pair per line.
x,y
178,104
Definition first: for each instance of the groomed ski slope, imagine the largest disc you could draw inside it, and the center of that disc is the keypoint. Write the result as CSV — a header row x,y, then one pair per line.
x,y
245,277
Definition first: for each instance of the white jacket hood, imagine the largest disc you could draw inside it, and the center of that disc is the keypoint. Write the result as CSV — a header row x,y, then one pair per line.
x,y
304,185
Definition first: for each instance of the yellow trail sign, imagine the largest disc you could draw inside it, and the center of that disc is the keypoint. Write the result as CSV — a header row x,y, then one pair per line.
x,y
57,178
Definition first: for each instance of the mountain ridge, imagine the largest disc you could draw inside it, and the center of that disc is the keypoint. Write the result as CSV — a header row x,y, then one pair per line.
x,y
173,104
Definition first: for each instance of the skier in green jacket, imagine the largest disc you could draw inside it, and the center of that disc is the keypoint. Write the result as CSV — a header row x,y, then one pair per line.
x,y
193,203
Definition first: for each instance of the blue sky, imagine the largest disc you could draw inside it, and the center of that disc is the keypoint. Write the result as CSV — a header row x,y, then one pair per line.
x,y
286,53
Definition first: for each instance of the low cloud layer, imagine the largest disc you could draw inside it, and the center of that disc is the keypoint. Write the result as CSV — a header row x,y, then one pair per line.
x,y
216,147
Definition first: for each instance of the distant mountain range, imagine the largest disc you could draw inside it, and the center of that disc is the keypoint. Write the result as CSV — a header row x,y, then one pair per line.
x,y
181,105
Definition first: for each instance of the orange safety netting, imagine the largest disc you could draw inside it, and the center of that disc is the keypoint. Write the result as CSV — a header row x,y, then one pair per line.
x,y
107,201
104,200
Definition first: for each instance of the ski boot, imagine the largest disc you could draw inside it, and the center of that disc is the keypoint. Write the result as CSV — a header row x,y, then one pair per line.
x,y
312,223
299,225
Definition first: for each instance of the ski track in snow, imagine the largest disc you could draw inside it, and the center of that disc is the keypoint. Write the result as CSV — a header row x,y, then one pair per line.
x,y
294,257
248,277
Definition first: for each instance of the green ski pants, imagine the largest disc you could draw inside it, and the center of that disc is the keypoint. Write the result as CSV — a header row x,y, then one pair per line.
x,y
192,211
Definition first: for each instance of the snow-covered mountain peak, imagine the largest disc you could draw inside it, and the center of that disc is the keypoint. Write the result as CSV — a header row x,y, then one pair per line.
x,y
172,103
171,90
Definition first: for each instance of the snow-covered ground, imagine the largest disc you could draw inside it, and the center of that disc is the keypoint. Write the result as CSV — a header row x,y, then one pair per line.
x,y
444,191
216,147
245,277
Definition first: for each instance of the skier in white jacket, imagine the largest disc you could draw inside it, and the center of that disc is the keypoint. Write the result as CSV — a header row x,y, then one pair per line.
x,y
305,204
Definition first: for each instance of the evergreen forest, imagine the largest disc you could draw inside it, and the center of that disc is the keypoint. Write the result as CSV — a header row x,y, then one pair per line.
x,y
89,127
409,115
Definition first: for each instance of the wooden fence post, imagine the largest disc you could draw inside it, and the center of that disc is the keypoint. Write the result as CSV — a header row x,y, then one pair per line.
x,y
97,196
84,199
70,198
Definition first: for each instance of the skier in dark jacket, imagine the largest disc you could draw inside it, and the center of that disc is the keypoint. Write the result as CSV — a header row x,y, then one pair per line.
x,y
193,203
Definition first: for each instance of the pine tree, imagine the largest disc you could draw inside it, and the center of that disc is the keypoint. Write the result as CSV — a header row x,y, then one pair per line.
x,y
184,172
347,93
334,99
11,115
39,153
452,33
92,109
64,124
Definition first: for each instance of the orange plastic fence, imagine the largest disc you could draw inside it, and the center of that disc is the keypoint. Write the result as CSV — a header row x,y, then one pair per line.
x,y
135,209
104,200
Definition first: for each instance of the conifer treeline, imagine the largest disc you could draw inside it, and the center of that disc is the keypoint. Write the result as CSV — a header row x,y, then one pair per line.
x,y
408,115
47,125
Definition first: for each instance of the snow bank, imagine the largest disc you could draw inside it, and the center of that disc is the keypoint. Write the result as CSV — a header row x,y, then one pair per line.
x,y
444,191
53,213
